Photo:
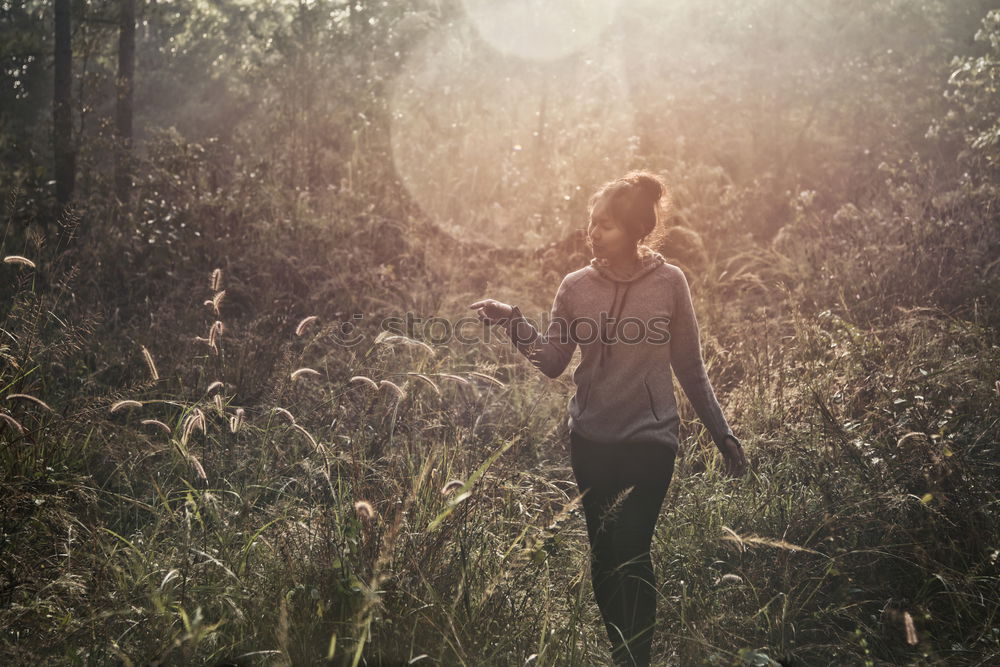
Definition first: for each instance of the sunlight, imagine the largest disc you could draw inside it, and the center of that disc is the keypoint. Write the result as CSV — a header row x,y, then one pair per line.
x,y
540,29
474,135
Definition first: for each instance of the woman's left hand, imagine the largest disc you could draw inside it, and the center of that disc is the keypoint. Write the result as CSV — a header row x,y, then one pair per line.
x,y
735,459
491,311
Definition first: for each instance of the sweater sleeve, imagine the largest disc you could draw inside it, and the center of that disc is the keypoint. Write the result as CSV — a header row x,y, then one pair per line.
x,y
686,360
552,352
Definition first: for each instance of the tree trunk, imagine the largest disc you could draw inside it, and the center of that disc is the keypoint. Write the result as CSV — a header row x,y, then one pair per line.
x,y
123,111
62,118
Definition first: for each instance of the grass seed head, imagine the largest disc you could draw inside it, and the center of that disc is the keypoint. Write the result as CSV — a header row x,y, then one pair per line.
x,y
364,380
194,420
364,510
217,300
150,363
400,394
426,380
215,332
489,378
304,324
158,424
120,405
216,279
304,372
236,421
13,423
286,414
187,426
17,259
452,486
31,399
197,466
200,422
215,385
456,378
911,631
743,540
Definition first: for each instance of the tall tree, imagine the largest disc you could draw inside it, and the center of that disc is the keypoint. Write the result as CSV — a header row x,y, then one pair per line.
x,y
124,105
62,118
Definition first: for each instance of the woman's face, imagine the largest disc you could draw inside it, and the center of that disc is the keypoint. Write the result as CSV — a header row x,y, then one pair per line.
x,y
607,237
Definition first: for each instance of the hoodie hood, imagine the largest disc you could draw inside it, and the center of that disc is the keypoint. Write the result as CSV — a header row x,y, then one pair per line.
x,y
649,259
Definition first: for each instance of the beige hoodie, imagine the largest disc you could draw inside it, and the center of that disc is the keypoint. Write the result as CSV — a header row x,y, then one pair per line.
x,y
631,333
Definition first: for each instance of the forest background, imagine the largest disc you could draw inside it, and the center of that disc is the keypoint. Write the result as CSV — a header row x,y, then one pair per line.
x,y
211,452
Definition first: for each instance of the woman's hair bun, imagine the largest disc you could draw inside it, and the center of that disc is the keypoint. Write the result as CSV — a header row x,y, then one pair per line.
x,y
648,183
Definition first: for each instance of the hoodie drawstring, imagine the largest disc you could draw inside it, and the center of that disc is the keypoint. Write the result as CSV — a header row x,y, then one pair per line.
x,y
604,330
614,313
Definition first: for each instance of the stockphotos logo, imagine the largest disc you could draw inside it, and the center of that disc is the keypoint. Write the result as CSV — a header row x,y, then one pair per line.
x,y
347,333
470,331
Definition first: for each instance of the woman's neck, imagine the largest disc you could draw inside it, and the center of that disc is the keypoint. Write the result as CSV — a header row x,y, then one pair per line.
x,y
625,265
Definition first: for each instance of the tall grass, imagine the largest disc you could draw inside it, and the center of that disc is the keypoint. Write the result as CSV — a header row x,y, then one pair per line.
x,y
200,474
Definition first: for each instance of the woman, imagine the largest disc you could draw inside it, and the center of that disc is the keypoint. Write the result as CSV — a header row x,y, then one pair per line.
x,y
632,316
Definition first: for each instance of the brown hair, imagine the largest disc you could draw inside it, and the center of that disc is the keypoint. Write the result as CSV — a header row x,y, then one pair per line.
x,y
634,200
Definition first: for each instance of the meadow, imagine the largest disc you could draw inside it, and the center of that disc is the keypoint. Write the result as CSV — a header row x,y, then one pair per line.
x,y
213,450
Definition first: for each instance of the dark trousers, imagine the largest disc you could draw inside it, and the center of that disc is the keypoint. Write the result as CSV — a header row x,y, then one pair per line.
x,y
620,527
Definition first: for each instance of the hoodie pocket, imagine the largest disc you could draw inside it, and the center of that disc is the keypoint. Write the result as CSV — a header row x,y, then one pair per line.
x,y
650,398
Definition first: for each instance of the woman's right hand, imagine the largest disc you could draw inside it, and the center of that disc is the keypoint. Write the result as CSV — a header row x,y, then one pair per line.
x,y
491,311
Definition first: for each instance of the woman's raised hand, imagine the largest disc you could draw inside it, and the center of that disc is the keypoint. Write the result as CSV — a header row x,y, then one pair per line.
x,y
492,311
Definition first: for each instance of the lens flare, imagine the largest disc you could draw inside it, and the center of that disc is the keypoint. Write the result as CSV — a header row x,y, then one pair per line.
x,y
505,151
540,29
